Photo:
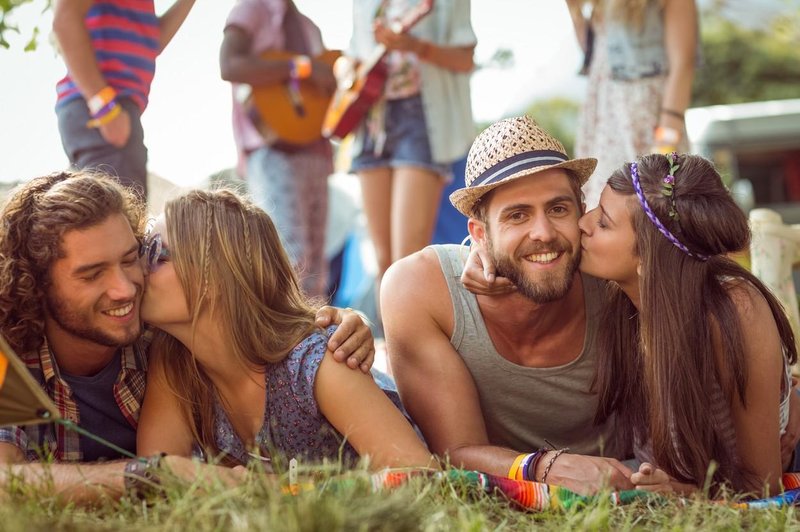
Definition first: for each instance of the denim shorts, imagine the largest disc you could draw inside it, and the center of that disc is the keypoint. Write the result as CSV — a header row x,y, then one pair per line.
x,y
406,141
86,148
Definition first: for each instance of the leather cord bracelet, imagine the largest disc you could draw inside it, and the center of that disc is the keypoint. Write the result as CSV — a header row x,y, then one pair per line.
x,y
672,112
550,463
140,475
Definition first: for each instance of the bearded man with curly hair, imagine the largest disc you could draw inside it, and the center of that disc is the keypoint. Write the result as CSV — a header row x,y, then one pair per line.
x,y
71,282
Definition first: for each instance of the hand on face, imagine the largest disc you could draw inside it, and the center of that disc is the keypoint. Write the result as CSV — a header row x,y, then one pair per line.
x,y
479,277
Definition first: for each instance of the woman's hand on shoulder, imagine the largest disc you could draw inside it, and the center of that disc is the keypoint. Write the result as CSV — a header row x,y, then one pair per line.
x,y
479,275
352,342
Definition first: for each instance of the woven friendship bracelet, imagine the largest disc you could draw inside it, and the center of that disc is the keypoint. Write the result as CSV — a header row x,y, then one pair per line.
x,y
637,187
551,462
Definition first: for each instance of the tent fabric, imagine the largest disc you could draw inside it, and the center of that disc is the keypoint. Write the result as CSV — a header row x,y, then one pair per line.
x,y
22,400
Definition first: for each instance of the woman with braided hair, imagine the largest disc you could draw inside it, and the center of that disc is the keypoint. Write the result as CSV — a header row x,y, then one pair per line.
x,y
695,353
239,368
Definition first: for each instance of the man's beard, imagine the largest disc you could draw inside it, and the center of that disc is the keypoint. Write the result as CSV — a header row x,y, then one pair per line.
x,y
76,325
546,287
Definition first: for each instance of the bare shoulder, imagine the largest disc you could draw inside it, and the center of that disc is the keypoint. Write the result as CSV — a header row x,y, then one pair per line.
x,y
758,327
414,297
417,277
750,303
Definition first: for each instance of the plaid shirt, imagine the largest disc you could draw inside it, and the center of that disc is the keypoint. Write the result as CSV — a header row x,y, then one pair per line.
x,y
54,440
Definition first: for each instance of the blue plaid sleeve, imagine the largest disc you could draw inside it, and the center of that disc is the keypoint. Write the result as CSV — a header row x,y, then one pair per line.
x,y
15,436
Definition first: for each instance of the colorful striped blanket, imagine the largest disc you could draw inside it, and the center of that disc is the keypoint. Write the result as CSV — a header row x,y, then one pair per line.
x,y
536,496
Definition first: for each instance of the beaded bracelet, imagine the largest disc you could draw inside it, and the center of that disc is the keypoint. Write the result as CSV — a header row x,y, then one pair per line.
x,y
550,463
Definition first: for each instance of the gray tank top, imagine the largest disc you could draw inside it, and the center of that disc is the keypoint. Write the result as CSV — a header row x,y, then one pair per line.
x,y
522,407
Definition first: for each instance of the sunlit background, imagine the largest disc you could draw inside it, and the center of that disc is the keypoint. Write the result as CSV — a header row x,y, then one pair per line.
x,y
187,124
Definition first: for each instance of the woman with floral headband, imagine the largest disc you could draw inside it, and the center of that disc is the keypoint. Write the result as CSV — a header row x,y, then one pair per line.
x,y
238,367
695,354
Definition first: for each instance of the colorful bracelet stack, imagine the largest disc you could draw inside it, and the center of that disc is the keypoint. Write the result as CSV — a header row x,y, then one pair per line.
x,y
300,67
524,466
103,107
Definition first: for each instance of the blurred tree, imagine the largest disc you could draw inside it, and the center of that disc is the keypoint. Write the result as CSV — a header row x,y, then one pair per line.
x,y
742,64
559,117
7,7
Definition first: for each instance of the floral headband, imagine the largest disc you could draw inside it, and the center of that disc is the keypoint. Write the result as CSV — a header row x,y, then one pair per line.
x,y
667,190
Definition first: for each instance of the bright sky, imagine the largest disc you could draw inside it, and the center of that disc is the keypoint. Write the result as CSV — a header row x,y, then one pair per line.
x,y
187,123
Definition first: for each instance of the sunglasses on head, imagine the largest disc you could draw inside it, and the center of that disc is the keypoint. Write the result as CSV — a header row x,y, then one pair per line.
x,y
153,251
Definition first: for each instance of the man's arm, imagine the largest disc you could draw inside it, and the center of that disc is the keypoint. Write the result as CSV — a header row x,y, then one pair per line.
x,y
439,393
78,483
76,45
170,22
76,48
239,65
435,385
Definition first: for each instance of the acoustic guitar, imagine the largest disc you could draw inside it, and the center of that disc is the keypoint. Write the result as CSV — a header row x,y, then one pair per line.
x,y
293,116
358,89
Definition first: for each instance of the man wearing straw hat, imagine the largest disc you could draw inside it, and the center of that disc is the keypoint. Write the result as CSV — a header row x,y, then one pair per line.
x,y
502,384
71,282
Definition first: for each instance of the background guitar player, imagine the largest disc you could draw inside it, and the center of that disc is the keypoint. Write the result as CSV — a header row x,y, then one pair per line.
x,y
423,119
270,46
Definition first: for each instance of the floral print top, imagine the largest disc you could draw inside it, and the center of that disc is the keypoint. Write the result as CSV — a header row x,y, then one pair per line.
x,y
293,425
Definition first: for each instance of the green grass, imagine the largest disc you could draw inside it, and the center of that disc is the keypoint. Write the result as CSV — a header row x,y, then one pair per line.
x,y
423,504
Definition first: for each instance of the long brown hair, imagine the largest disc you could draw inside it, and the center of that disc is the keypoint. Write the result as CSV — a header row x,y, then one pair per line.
x,y
670,344
35,218
230,262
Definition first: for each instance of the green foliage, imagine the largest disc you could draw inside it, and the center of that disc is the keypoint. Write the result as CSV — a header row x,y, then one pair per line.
x,y
744,65
7,8
559,117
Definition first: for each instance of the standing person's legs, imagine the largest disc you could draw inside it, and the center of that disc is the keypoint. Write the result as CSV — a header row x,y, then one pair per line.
x,y
277,182
415,202
311,172
376,191
86,148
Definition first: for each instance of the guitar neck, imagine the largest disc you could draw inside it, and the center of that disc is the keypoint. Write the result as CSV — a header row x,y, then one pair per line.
x,y
375,57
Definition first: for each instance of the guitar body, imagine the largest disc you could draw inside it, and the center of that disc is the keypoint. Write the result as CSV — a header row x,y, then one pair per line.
x,y
283,119
349,107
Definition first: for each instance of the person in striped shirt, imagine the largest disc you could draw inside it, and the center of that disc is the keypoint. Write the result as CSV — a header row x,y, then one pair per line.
x,y
110,48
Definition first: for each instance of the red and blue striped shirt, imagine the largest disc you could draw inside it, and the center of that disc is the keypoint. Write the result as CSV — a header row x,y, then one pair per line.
x,y
125,37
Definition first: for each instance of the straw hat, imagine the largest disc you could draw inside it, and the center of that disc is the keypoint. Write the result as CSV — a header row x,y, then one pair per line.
x,y
508,150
